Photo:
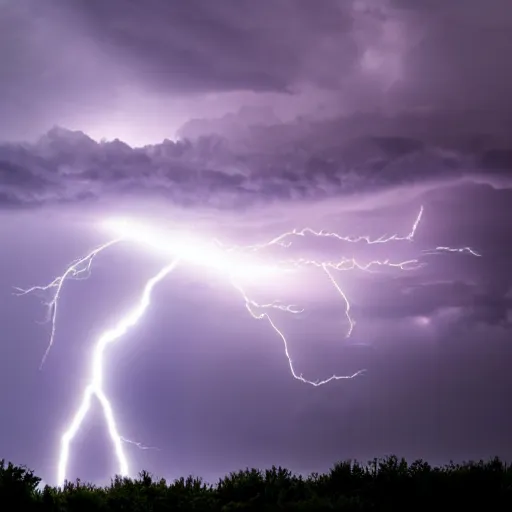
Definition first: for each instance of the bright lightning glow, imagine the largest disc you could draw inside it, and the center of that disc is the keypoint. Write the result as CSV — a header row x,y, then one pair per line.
x,y
189,248
95,386
236,263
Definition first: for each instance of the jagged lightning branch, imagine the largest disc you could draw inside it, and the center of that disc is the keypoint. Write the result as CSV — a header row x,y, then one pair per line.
x,y
441,249
80,269
95,386
250,304
281,239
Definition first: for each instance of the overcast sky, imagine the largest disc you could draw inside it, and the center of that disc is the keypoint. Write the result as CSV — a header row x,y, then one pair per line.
x,y
137,71
339,116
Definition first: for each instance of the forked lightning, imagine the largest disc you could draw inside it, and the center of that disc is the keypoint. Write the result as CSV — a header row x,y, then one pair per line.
x,y
235,263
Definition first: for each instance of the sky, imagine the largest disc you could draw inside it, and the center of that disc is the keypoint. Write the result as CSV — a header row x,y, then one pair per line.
x,y
235,122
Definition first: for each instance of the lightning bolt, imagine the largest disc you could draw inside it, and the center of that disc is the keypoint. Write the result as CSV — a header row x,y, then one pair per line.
x,y
441,249
220,257
95,386
281,240
79,269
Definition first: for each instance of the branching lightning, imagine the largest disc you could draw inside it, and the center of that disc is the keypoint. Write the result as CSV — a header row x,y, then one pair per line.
x,y
233,262
95,386
79,269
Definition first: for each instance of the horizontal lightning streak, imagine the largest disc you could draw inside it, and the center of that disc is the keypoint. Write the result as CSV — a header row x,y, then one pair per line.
x,y
441,249
137,444
280,240
353,264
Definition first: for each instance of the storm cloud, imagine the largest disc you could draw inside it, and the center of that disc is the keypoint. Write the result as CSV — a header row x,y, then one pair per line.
x,y
138,71
233,163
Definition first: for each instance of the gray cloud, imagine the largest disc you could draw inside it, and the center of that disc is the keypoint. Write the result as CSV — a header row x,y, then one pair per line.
x,y
139,70
49,70
243,163
458,301
229,45
460,60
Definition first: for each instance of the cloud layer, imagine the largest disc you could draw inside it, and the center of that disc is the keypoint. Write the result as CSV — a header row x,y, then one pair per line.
x,y
237,161
146,68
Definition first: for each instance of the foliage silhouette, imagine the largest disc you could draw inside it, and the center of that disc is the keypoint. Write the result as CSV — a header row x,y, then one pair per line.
x,y
382,484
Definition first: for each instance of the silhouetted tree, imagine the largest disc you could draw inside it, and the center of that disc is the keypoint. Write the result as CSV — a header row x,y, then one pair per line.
x,y
389,484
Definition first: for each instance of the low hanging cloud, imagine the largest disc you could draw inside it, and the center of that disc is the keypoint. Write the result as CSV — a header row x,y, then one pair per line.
x,y
235,161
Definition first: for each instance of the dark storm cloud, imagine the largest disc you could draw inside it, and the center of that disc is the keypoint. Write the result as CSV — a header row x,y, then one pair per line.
x,y
233,162
228,45
48,69
470,302
100,65
434,54
460,60
65,164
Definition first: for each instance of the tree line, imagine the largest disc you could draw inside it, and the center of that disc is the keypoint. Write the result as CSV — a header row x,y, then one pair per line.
x,y
380,485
